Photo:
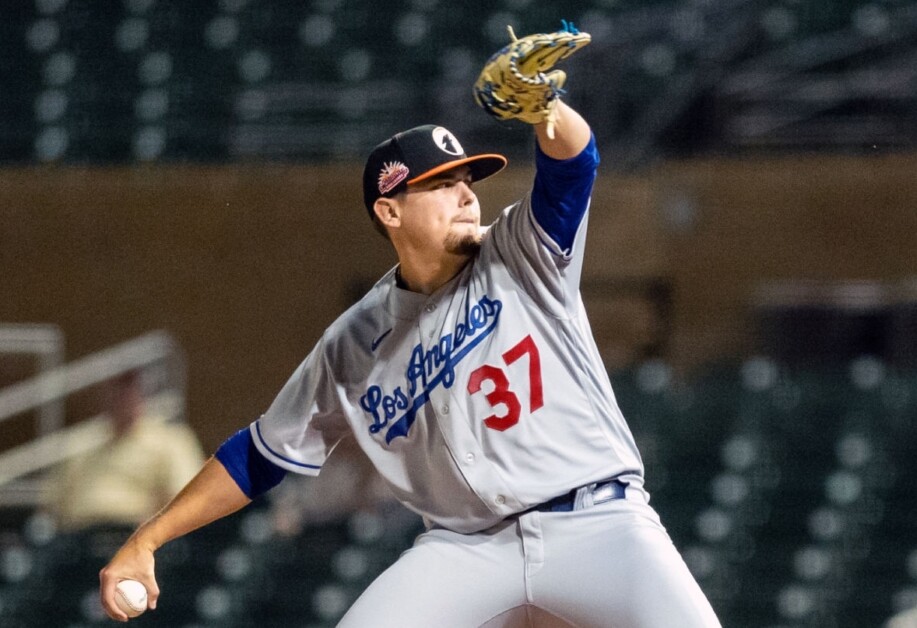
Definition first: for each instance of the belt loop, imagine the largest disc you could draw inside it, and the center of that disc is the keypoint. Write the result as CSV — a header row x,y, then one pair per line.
x,y
583,497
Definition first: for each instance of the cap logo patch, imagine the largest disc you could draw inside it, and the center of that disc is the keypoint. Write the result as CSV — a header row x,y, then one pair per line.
x,y
393,173
447,142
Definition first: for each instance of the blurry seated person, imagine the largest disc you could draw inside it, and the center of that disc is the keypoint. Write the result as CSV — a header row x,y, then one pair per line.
x,y
348,484
146,461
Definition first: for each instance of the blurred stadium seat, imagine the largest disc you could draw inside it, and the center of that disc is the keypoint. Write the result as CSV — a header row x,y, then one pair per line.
x,y
805,497
163,80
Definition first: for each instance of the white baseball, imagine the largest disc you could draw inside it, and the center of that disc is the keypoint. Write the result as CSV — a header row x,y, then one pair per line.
x,y
130,596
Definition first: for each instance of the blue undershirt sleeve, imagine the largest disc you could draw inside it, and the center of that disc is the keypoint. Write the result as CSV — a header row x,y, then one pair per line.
x,y
254,473
560,194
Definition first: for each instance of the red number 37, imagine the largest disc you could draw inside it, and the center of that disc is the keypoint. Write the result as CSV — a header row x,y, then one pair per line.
x,y
501,394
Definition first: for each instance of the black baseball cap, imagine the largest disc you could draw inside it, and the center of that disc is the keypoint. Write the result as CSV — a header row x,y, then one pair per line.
x,y
418,154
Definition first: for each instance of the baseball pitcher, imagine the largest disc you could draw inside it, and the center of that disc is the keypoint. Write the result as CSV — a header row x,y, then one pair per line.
x,y
469,376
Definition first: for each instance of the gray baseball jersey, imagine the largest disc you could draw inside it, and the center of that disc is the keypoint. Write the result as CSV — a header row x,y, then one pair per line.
x,y
474,403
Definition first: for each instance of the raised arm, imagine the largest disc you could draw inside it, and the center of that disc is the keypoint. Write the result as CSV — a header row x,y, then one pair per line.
x,y
571,133
210,495
520,82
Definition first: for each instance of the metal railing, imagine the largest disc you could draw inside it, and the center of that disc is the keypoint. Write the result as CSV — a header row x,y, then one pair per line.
x,y
56,384
60,382
46,344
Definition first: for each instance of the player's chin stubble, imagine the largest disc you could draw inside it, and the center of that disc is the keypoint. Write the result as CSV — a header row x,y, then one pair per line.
x,y
465,245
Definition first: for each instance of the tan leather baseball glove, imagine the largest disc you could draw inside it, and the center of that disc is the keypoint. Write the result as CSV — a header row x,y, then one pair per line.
x,y
518,81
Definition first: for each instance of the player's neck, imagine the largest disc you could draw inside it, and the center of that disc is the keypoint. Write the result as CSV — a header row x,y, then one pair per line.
x,y
427,278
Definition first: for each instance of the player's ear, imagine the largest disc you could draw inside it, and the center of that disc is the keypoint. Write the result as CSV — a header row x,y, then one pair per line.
x,y
387,211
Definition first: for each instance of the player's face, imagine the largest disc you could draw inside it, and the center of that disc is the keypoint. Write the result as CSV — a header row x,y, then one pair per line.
x,y
444,210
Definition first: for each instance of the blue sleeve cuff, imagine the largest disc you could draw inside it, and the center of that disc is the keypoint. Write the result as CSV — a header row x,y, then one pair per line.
x,y
560,195
254,473
586,161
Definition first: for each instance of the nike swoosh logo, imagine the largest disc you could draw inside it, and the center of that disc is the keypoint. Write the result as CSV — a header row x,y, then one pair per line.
x,y
376,342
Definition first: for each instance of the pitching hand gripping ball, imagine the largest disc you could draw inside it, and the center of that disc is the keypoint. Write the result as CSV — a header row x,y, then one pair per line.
x,y
131,598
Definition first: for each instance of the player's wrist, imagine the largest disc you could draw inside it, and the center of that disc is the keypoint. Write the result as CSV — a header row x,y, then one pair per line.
x,y
147,538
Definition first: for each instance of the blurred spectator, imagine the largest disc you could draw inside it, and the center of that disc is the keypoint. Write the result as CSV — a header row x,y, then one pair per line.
x,y
144,464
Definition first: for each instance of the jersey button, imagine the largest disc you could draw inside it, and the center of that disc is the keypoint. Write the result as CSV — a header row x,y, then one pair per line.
x,y
430,307
469,457
499,500
445,409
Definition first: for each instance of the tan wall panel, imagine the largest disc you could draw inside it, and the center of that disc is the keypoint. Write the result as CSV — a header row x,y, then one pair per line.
x,y
246,265
828,218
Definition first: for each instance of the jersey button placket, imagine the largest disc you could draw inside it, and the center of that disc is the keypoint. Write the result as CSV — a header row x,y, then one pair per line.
x,y
427,324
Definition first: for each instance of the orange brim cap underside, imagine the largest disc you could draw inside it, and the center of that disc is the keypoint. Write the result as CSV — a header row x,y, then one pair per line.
x,y
482,166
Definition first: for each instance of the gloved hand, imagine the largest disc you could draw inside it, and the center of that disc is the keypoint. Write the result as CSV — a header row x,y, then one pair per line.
x,y
518,81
